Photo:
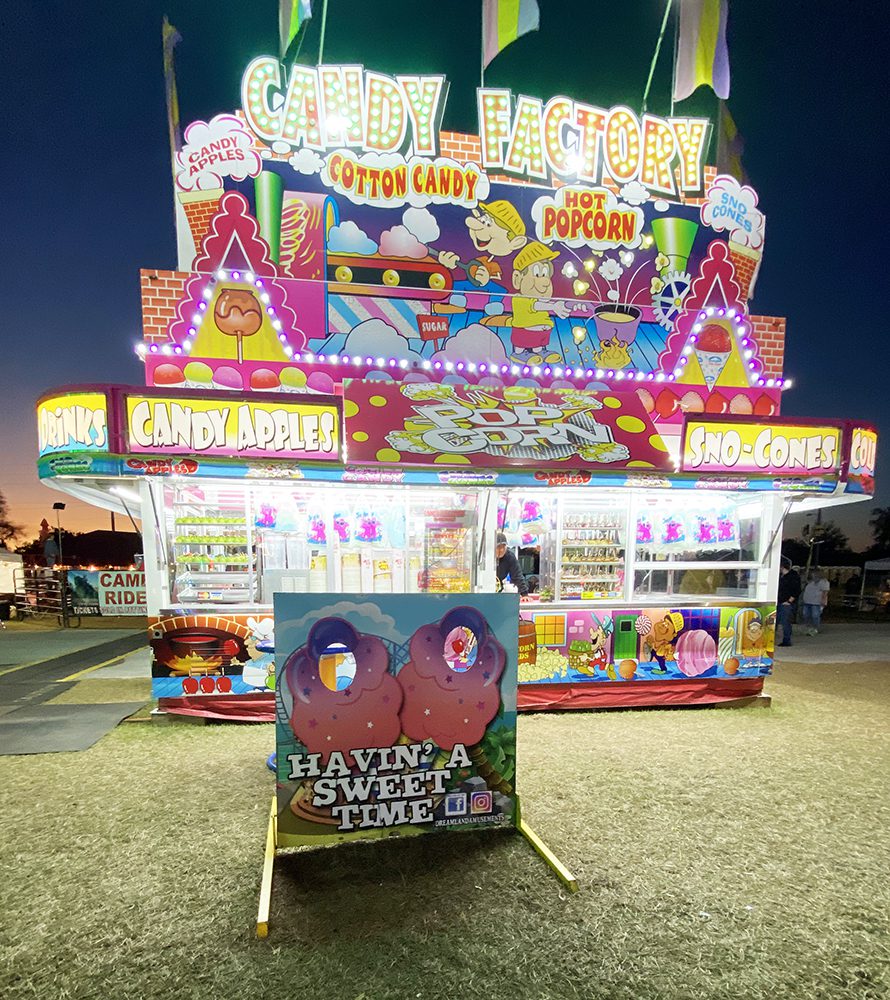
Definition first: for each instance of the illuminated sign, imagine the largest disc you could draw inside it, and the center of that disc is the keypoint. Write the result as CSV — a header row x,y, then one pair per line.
x,y
72,422
346,108
422,423
863,450
774,449
327,107
571,139
233,427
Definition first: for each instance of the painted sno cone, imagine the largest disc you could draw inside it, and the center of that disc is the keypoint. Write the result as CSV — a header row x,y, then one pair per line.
x,y
747,264
674,238
199,207
712,349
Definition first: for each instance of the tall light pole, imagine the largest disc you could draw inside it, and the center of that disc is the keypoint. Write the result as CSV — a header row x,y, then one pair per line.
x,y
63,579
57,507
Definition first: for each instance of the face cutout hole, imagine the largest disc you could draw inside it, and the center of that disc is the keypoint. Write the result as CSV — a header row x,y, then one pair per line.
x,y
336,667
460,649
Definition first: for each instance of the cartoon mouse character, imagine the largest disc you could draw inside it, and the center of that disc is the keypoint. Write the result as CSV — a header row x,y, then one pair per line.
x,y
660,640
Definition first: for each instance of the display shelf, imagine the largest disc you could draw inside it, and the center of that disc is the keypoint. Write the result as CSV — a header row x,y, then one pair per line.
x,y
212,557
447,546
588,554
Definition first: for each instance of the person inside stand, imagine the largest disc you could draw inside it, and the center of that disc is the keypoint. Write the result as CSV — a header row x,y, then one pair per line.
x,y
815,598
508,565
787,598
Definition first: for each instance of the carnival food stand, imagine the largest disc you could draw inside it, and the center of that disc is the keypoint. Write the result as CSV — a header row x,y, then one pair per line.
x,y
384,343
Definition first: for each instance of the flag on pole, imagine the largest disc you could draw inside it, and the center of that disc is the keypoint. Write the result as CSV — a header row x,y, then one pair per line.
x,y
292,15
171,39
730,146
702,56
503,21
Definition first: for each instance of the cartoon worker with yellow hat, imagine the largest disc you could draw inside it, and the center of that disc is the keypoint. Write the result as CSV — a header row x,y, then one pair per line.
x,y
497,230
661,640
532,322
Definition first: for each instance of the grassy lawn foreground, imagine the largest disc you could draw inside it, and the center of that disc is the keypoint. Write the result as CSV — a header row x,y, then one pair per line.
x,y
722,854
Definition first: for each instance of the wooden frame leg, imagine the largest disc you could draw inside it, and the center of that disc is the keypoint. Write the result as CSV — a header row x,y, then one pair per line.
x,y
262,920
559,869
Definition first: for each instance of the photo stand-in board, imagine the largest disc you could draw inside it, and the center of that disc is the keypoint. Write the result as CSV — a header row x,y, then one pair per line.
x,y
395,716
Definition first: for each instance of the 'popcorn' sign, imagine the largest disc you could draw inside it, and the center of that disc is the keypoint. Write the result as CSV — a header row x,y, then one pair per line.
x,y
425,423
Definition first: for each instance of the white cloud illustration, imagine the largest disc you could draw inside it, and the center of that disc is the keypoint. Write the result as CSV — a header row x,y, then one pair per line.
x,y
348,238
222,147
306,161
376,339
732,207
421,223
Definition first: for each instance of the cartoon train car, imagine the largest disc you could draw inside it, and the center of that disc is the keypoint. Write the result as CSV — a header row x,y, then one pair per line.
x,y
351,274
301,248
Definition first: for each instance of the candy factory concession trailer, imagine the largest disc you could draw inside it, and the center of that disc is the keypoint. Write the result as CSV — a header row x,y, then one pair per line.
x,y
656,586
383,342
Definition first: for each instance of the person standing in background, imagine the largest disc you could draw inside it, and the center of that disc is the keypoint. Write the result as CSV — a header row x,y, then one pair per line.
x,y
815,597
508,565
787,598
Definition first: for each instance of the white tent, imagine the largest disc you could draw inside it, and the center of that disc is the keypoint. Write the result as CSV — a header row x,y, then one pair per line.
x,y
880,566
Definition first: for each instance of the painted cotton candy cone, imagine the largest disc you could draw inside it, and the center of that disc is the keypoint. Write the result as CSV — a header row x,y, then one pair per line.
x,y
747,264
199,207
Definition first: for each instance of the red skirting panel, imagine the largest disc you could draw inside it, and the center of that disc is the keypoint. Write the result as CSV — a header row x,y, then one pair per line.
x,y
259,707
636,694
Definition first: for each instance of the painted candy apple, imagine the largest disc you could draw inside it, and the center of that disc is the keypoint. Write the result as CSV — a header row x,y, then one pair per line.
x,y
168,374
237,313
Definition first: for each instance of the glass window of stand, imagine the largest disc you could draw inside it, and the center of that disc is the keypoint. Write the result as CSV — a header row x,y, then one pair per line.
x,y
699,545
240,544
583,557
210,544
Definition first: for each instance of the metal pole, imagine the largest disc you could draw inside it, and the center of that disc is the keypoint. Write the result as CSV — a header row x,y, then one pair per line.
x,y
664,21
324,21
59,534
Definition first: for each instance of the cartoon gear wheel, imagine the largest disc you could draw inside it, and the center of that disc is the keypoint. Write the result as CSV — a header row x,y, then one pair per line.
x,y
668,303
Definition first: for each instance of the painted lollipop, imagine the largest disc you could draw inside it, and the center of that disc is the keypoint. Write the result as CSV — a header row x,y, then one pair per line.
x,y
238,314
643,625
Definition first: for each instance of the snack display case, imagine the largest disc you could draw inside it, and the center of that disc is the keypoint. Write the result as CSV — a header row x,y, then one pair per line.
x,y
584,558
236,546
210,546
448,541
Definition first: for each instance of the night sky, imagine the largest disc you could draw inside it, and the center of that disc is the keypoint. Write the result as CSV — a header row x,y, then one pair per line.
x,y
88,196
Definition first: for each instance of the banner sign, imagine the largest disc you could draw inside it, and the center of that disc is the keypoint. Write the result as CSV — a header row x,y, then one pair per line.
x,y
863,452
185,425
580,645
75,421
423,423
395,714
775,449
107,591
362,114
